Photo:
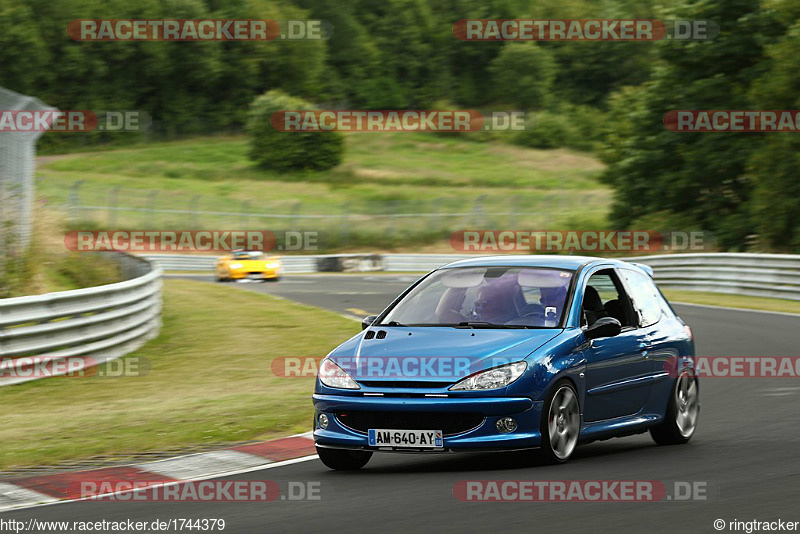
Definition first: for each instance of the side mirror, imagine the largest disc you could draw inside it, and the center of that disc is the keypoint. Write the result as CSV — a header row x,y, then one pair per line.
x,y
604,327
368,320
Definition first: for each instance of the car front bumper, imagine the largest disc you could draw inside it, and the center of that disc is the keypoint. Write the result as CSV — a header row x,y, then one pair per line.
x,y
261,275
485,436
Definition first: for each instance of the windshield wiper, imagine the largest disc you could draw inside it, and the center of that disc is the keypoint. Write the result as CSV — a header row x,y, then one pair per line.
x,y
484,324
463,324
475,324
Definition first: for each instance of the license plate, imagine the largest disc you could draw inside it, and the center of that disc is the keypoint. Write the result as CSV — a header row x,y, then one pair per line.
x,y
415,439
255,276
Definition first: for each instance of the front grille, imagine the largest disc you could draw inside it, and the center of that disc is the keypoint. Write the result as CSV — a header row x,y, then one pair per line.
x,y
448,423
403,384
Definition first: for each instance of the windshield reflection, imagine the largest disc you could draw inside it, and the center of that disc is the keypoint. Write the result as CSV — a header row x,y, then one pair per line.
x,y
485,297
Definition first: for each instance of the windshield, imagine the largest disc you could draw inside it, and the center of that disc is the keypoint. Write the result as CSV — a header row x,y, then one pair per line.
x,y
248,255
488,297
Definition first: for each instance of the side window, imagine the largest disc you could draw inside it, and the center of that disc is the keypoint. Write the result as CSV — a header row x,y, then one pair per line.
x,y
604,296
645,295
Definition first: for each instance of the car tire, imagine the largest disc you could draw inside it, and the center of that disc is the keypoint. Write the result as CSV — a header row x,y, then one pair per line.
x,y
682,414
560,424
343,459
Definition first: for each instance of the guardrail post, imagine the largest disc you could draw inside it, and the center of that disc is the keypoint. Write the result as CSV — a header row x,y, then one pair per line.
x,y
151,200
112,207
512,214
245,213
295,211
193,211
344,223
74,200
435,219
392,212
478,218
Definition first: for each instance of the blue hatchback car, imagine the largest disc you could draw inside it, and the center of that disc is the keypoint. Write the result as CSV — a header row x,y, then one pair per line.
x,y
507,353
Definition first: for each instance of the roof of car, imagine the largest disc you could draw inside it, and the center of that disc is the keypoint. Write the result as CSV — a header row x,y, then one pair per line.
x,y
533,260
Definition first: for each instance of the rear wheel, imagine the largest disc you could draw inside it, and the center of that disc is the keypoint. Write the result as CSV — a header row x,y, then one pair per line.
x,y
561,423
343,459
682,413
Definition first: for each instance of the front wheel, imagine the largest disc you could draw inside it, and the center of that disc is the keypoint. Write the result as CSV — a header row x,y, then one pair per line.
x,y
343,459
561,423
683,410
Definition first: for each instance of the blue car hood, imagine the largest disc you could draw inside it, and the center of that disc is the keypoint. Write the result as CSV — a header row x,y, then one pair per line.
x,y
435,353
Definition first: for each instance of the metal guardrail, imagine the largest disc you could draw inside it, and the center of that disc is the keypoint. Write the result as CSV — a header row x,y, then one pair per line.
x,y
760,275
419,262
194,263
317,263
756,275
58,333
98,324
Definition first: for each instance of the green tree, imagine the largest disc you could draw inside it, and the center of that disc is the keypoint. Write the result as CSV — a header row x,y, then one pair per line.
x,y
522,75
774,165
700,176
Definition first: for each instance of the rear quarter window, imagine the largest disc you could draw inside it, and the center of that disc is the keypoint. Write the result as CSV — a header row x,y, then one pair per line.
x,y
646,298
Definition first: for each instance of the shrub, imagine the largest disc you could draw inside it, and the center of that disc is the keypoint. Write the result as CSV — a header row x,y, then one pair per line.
x,y
547,130
287,151
576,127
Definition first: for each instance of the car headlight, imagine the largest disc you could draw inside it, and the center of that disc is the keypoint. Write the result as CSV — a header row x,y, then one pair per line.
x,y
236,266
334,376
493,378
273,265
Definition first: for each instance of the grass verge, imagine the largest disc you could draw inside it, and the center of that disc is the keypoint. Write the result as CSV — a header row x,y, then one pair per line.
x,y
210,183
47,266
205,386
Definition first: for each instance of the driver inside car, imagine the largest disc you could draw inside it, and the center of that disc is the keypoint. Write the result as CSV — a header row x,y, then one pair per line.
x,y
495,301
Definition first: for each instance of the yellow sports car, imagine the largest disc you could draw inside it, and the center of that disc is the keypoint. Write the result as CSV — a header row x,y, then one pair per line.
x,y
248,265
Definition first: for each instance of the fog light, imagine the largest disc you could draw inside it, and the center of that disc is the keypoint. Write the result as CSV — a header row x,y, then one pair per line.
x,y
506,425
322,420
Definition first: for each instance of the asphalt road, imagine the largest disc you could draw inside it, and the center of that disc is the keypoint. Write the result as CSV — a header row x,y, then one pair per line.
x,y
744,452
348,294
